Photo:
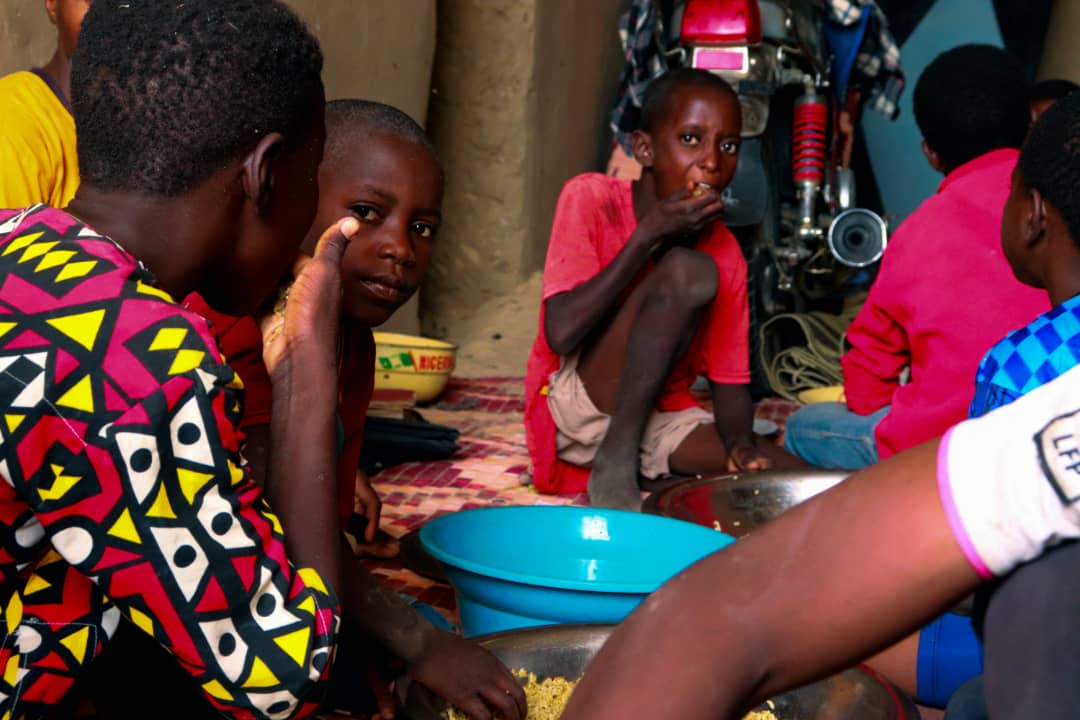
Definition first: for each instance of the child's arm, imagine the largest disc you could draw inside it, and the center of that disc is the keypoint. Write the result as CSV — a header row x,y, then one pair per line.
x,y
461,672
879,350
570,316
733,411
823,587
850,571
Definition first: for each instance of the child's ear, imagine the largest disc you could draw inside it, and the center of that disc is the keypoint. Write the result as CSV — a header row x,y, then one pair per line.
x,y
933,158
641,143
1035,227
50,9
259,169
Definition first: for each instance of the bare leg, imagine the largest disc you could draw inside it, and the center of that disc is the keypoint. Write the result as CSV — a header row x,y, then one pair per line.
x,y
626,367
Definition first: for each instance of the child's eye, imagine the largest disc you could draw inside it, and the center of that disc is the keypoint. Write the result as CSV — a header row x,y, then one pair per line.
x,y
689,139
731,148
365,213
424,230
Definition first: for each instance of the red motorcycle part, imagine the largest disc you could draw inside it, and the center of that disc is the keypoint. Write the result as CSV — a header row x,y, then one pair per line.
x,y
808,140
721,22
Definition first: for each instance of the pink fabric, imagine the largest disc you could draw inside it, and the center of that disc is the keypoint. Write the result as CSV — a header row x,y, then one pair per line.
x,y
593,221
945,294
952,514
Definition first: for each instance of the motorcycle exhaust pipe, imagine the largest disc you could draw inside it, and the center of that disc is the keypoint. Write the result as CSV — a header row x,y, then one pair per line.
x,y
857,237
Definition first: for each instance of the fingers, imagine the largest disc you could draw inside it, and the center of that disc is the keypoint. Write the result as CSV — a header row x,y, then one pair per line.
x,y
475,708
384,696
504,704
335,239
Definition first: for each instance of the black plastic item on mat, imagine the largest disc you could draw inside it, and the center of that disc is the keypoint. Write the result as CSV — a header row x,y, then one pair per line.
x,y
389,442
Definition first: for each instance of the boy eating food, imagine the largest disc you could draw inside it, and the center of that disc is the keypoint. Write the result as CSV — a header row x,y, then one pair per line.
x,y
645,289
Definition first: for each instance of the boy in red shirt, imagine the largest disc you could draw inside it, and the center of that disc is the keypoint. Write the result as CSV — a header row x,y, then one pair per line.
x,y
645,289
945,293
379,168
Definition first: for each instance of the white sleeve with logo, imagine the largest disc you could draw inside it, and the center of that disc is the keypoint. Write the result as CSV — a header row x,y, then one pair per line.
x,y
1010,480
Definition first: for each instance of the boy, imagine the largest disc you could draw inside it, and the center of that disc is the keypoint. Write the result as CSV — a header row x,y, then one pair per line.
x,y
380,167
128,507
125,502
37,131
644,288
925,527
944,293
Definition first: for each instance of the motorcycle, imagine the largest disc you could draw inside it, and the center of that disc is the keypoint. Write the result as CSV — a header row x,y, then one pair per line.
x,y
792,201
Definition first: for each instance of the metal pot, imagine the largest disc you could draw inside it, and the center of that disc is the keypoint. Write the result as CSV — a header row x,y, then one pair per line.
x,y
741,502
565,650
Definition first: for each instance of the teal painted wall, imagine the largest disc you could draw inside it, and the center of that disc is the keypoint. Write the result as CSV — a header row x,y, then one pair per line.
x,y
903,175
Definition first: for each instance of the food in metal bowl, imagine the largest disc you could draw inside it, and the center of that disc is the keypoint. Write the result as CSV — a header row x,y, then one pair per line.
x,y
548,697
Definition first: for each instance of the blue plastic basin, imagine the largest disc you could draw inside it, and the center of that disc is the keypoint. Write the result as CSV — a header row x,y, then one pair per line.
x,y
516,567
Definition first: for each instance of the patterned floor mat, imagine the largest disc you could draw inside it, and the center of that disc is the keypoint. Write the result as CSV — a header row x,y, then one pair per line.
x,y
491,468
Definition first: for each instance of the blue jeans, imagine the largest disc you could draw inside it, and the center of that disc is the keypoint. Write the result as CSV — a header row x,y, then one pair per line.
x,y
831,436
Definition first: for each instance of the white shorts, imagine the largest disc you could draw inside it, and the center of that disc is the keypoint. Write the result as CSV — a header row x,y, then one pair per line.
x,y
581,427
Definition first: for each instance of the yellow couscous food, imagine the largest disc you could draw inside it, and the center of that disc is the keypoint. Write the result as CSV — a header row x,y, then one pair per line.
x,y
549,696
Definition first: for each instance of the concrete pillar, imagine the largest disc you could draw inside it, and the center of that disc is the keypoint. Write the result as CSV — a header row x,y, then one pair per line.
x,y
1060,59
522,92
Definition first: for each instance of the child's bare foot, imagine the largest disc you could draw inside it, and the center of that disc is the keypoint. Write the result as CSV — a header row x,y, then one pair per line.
x,y
615,486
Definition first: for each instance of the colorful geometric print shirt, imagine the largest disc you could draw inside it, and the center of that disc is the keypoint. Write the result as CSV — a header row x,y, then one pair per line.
x,y
1029,357
124,495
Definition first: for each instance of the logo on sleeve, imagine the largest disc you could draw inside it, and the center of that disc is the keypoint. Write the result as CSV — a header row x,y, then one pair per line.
x,y
1059,454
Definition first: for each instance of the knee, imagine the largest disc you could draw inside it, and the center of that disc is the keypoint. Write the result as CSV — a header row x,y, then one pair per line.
x,y
687,277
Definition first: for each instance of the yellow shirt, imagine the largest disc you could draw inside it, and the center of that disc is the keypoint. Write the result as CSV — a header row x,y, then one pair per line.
x,y
37,144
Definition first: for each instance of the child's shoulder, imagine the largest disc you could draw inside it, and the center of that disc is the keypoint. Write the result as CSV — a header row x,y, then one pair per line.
x,y
594,184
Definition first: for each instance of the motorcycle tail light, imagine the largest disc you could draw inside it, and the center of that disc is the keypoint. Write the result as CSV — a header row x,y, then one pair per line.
x,y
721,22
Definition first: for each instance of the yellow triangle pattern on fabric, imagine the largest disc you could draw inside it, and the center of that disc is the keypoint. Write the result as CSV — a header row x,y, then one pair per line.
x,y
191,483
34,584
161,508
20,242
186,361
236,475
83,328
295,644
168,339
307,605
13,613
261,676
56,258
61,484
49,558
142,621
79,397
5,328
13,422
37,250
312,580
124,528
145,289
76,643
76,270
12,670
216,690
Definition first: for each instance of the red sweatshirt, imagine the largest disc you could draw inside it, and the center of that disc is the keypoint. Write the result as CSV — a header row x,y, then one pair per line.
x,y
945,294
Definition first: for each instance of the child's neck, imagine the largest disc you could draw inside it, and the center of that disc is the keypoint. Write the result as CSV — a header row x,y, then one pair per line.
x,y
643,193
164,234
59,70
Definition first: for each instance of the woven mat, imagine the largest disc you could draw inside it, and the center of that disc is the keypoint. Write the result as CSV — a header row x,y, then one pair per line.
x,y
491,469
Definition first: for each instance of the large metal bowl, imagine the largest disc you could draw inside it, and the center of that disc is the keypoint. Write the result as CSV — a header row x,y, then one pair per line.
x,y
565,650
741,502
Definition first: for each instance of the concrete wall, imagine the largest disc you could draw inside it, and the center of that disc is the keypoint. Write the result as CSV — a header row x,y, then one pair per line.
x,y
1060,59
27,38
522,91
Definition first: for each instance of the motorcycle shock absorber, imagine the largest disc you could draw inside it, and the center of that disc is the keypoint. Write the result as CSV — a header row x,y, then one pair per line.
x,y
808,153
